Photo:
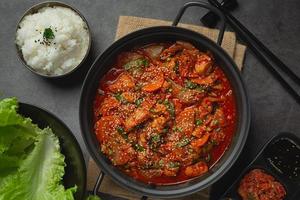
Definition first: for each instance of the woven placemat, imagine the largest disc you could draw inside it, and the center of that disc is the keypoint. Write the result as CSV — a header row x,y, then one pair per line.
x,y
129,24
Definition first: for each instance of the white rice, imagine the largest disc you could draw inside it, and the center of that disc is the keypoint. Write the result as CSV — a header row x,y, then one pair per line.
x,y
62,53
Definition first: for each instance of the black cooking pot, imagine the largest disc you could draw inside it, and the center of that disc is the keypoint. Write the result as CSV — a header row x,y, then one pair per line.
x,y
166,34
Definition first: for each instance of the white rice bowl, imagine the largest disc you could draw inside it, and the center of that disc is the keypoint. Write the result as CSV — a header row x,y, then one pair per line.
x,y
58,55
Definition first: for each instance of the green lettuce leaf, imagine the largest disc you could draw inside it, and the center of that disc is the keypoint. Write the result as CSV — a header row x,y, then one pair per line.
x,y
31,166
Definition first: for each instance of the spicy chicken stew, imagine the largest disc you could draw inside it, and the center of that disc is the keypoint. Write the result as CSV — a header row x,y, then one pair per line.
x,y
164,113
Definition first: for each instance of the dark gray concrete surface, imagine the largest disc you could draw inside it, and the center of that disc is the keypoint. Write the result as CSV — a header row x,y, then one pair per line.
x,y
275,22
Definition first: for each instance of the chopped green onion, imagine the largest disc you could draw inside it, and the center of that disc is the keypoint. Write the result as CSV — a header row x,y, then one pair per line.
x,y
145,63
152,110
185,141
136,64
120,129
214,142
198,122
138,102
161,163
138,87
165,130
179,129
174,164
190,85
122,132
48,34
120,98
170,108
208,158
160,101
155,138
140,126
169,90
176,68
110,152
139,147
215,122
218,129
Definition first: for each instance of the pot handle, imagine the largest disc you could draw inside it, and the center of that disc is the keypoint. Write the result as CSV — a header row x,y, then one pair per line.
x,y
207,6
98,183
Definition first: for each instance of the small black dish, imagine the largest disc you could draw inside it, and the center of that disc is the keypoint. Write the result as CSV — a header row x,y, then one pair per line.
x,y
280,157
75,170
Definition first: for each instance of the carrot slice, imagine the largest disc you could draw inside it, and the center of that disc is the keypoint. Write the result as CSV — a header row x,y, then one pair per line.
x,y
196,169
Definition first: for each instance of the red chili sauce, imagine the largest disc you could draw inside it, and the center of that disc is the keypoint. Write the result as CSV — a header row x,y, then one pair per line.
x,y
258,185
165,113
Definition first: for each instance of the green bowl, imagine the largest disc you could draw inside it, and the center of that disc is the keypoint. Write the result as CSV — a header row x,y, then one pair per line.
x,y
75,171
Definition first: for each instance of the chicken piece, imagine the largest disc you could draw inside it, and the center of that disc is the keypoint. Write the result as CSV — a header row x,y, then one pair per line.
x,y
108,105
199,131
207,106
166,148
106,126
208,80
140,115
112,143
178,106
203,64
125,110
165,86
186,61
218,87
157,80
159,109
142,138
181,155
217,136
186,96
158,123
132,136
172,50
171,171
149,173
197,143
171,64
122,153
129,96
185,121
123,83
196,169
218,118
